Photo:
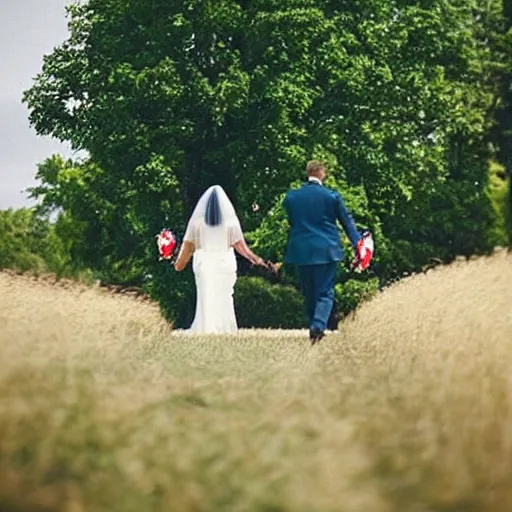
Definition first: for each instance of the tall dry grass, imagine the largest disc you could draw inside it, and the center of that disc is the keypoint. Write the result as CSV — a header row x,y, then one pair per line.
x,y
407,408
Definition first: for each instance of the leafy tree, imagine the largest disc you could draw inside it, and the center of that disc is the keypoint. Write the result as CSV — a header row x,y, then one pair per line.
x,y
100,235
170,97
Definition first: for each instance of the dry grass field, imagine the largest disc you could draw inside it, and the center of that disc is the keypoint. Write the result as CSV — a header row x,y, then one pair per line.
x,y
407,408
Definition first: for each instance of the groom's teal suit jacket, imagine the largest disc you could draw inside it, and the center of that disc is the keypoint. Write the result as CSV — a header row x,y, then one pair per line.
x,y
314,239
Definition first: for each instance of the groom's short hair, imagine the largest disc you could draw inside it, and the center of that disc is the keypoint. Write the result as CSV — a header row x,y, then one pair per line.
x,y
314,167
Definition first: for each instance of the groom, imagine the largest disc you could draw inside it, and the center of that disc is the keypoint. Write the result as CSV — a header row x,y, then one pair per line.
x,y
314,243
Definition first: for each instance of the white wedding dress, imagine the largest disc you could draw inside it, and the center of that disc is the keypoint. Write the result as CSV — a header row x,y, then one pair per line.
x,y
214,265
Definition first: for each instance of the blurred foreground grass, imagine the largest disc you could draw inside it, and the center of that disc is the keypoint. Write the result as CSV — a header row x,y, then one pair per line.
x,y
407,408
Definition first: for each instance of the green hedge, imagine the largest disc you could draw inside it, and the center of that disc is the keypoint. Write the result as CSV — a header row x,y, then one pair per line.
x,y
175,293
350,294
259,303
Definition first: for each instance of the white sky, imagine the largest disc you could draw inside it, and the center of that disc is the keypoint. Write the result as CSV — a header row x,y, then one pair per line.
x,y
29,29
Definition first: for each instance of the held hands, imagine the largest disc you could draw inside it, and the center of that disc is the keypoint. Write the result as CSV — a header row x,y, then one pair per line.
x,y
271,267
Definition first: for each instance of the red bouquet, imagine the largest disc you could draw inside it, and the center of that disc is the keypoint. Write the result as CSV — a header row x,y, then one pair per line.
x,y
364,252
167,244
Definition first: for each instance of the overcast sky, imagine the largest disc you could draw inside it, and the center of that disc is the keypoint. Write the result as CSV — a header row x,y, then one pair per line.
x,y
29,29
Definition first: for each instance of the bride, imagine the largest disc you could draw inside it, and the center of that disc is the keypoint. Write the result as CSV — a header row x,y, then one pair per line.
x,y
212,235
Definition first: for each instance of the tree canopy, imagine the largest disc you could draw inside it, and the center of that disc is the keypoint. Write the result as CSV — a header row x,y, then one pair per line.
x,y
169,97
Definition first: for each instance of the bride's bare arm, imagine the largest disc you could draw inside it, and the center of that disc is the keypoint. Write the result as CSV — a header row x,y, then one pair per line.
x,y
242,248
186,251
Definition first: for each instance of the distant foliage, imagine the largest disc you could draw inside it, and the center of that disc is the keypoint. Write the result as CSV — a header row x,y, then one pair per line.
x,y
19,241
406,101
29,243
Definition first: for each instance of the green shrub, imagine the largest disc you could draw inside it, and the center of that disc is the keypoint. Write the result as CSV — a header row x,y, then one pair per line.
x,y
175,293
350,294
258,303
499,195
18,240
261,304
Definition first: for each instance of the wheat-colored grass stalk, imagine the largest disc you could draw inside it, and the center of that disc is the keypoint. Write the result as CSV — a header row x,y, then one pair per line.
x,y
407,408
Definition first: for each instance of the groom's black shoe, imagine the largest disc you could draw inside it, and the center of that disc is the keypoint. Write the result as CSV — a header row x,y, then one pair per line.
x,y
315,335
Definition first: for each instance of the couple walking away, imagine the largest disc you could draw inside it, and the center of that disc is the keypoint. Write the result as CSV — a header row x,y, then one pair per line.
x,y
314,246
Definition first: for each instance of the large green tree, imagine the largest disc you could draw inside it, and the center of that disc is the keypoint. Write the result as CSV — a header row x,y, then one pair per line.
x,y
169,97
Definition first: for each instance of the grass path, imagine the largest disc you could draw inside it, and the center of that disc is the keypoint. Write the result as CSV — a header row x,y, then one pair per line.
x,y
407,408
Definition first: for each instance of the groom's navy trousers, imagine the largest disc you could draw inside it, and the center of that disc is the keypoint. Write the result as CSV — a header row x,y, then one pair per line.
x,y
317,284
314,245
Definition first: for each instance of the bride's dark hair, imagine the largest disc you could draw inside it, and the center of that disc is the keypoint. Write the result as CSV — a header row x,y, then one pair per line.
x,y
213,216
